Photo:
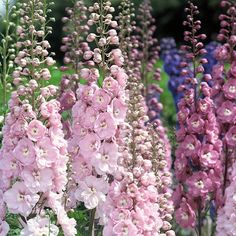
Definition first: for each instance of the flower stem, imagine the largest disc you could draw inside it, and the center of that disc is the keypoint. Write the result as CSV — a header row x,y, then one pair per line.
x,y
225,170
91,222
5,57
199,217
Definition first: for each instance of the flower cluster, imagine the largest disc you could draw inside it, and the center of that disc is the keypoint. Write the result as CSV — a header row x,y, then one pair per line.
x,y
34,156
144,58
99,111
138,203
197,166
224,85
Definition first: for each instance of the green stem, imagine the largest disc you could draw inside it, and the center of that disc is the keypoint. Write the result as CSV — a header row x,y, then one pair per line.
x,y
5,58
91,222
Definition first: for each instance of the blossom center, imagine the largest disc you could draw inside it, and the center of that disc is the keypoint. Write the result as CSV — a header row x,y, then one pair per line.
x,y
190,146
195,123
227,112
232,89
26,152
184,216
199,184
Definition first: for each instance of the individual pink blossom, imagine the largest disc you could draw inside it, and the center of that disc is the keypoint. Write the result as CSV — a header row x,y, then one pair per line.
x,y
123,201
199,184
125,228
195,123
4,228
118,108
208,156
229,89
106,160
40,226
185,215
90,144
90,118
38,180
226,112
230,136
25,152
36,130
92,191
80,168
105,126
111,85
67,100
100,100
46,153
190,145
20,200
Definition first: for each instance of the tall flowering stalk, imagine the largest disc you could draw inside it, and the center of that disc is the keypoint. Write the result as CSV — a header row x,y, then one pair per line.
x,y
198,166
136,205
74,45
144,57
97,115
34,155
7,51
224,85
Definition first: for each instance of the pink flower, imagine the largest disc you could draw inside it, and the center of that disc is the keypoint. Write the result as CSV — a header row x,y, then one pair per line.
x,y
67,100
183,115
195,123
118,215
118,108
208,156
25,152
181,166
101,100
46,153
190,145
230,136
20,200
110,85
205,105
106,160
4,228
123,201
92,191
86,92
229,89
185,215
40,226
90,144
37,180
125,228
105,126
80,169
90,116
226,112
90,75
36,130
199,184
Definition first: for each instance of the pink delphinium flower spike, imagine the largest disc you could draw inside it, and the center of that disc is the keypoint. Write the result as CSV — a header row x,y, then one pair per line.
x,y
34,154
198,166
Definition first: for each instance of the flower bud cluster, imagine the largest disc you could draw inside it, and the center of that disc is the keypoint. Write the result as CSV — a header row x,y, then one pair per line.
x,y
74,47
